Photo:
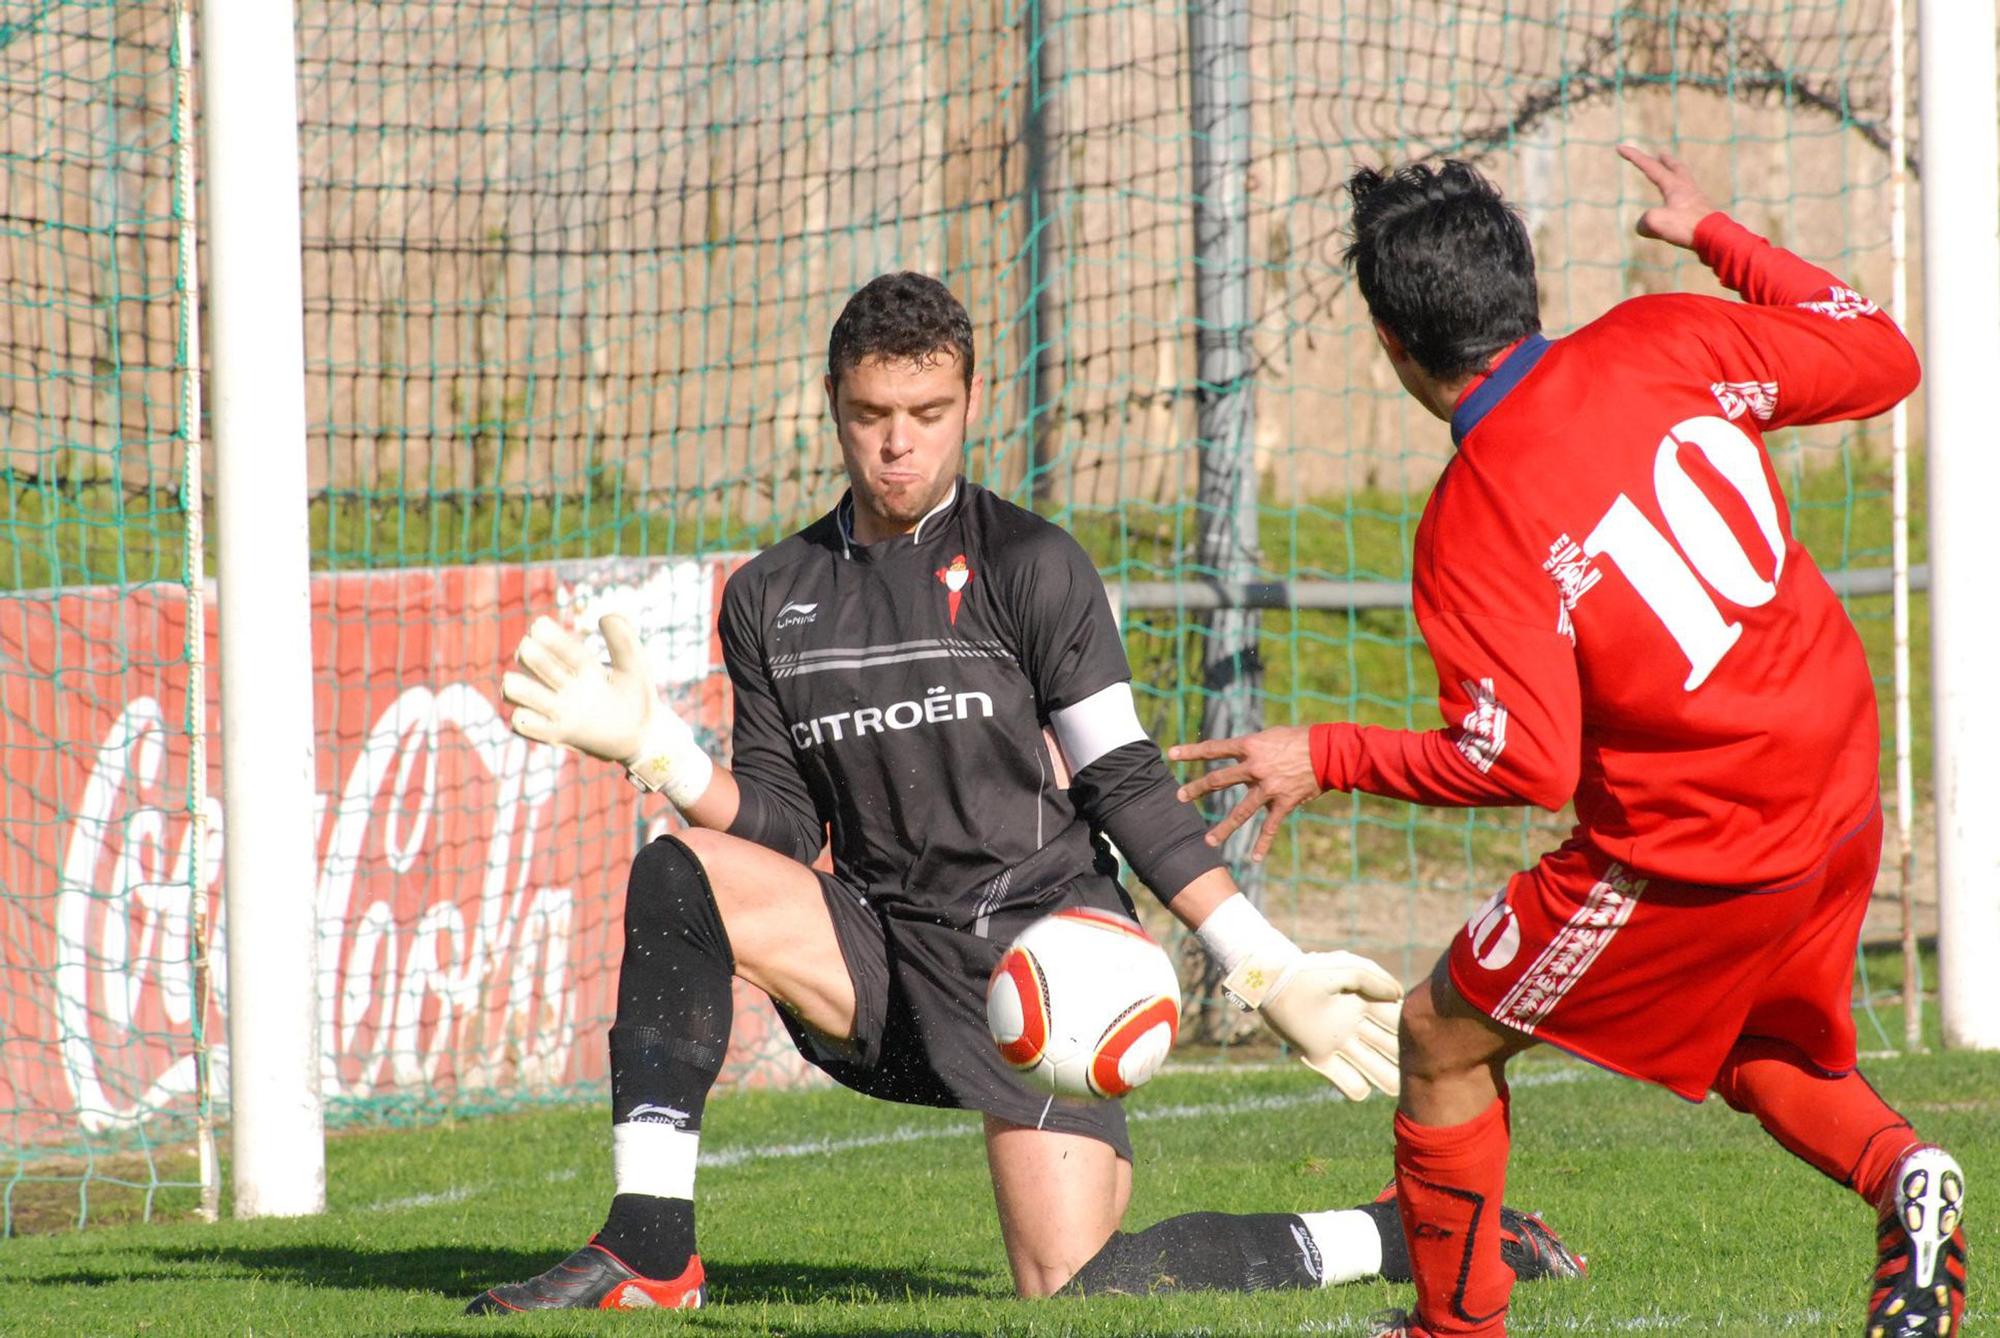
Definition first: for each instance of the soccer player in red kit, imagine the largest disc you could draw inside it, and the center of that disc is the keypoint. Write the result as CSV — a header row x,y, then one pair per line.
x,y
1621,617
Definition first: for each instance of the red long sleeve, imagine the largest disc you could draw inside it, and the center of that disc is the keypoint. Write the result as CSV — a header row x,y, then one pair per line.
x,y
1816,348
1764,274
1420,766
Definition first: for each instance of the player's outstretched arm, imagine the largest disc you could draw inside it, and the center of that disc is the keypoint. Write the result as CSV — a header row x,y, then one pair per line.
x,y
1820,350
562,694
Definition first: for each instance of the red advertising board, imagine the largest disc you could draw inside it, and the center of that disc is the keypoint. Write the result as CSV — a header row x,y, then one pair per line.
x,y
469,883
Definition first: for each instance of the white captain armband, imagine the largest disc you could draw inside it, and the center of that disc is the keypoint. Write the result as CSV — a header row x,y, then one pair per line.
x,y
1089,729
1123,788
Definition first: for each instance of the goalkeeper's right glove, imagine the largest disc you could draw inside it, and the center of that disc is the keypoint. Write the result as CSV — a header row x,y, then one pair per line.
x,y
1339,1011
567,697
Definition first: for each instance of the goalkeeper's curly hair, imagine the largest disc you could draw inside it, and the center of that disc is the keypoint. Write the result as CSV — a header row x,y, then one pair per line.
x,y
904,317
1444,262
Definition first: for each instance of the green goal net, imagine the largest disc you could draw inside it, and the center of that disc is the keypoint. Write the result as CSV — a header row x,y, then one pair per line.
x,y
569,271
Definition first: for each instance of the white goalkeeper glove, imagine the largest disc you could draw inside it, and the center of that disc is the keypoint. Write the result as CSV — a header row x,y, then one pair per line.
x,y
566,697
1339,1011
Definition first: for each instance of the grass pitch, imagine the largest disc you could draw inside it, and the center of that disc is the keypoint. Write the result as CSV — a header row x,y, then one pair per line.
x,y
822,1212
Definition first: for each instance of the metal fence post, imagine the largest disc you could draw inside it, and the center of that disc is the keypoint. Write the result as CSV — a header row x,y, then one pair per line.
x,y
1226,493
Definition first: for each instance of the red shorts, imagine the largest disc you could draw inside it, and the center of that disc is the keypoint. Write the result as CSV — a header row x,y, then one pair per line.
x,y
1658,980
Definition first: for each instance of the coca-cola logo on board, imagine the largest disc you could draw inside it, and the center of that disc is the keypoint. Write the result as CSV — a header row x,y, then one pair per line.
x,y
445,938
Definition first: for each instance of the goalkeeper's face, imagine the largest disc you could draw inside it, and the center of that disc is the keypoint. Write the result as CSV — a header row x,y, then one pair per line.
x,y
902,426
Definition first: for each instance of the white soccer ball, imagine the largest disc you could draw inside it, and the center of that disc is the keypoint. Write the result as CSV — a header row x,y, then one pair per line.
x,y
1084,1003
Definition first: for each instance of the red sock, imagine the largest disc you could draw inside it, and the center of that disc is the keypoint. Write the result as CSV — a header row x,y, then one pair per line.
x,y
1449,1181
1839,1126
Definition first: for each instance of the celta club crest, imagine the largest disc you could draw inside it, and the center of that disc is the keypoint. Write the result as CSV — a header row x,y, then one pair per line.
x,y
955,577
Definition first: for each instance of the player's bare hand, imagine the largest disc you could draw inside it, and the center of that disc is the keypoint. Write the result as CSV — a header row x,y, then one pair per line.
x,y
1683,203
1275,766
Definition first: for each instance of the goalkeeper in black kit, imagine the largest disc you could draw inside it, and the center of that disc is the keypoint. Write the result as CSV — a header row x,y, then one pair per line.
x,y
930,679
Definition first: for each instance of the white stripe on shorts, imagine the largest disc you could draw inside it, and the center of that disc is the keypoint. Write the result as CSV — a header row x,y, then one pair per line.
x,y
1561,964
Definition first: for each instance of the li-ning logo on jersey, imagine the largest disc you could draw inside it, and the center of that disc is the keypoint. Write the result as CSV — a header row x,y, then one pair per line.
x,y
1483,734
648,1113
1756,398
955,577
1842,304
937,707
1569,567
797,615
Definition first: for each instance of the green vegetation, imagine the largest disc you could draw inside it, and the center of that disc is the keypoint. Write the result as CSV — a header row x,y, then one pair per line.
x,y
1365,665
838,1215
63,534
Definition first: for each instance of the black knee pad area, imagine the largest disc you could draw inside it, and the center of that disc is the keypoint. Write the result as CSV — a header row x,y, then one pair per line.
x,y
674,997
668,894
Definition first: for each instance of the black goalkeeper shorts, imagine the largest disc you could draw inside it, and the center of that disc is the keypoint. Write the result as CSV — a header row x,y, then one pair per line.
x,y
920,1011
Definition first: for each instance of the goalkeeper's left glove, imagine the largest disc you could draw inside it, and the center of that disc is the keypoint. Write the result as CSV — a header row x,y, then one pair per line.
x,y
567,697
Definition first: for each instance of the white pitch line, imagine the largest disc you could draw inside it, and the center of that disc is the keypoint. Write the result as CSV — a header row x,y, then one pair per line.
x,y
819,1147
724,1158
455,1194
1176,1067
1326,1096
738,1156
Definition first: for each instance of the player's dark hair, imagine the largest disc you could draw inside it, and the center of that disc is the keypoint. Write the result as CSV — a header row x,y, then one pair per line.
x,y
904,317
1444,262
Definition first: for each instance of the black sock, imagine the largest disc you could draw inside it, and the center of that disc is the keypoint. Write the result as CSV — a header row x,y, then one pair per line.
x,y
653,1236
1395,1250
668,1038
1252,1252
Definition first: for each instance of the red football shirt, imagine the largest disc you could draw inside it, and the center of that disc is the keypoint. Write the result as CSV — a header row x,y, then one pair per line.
x,y
1608,583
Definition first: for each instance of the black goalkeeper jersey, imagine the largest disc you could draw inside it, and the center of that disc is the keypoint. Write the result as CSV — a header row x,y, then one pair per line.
x,y
896,694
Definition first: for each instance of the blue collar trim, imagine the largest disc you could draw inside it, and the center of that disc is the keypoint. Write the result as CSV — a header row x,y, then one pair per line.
x,y
1495,387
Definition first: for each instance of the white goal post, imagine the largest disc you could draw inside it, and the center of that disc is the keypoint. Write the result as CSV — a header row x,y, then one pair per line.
x,y
256,318
1961,235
